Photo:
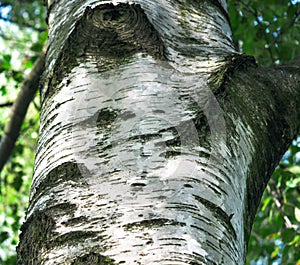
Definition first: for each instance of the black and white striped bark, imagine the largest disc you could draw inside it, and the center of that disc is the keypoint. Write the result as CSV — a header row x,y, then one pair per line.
x,y
157,137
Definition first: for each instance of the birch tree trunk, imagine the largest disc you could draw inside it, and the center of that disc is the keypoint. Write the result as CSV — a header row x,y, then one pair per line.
x,y
157,137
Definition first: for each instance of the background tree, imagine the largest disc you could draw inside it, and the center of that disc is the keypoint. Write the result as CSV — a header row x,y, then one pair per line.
x,y
273,39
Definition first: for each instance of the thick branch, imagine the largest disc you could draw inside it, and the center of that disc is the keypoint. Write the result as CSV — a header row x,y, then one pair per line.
x,y
267,99
19,110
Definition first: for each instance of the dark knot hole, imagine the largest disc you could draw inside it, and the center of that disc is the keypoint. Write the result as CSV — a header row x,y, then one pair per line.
x,y
112,15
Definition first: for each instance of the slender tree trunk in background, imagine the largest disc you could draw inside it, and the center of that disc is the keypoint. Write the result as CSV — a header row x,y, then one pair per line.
x,y
157,138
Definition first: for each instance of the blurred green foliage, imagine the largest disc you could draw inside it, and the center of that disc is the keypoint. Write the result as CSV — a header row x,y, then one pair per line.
x,y
276,234
269,30
23,33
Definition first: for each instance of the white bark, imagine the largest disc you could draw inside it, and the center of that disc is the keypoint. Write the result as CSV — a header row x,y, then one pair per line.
x,y
197,29
131,179
139,163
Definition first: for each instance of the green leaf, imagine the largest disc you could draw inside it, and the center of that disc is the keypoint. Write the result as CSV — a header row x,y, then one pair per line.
x,y
293,183
297,214
5,62
3,90
43,37
279,222
3,236
288,235
37,47
295,170
18,181
17,76
265,203
28,64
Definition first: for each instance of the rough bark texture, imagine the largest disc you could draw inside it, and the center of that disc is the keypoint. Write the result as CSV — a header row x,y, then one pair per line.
x,y
157,138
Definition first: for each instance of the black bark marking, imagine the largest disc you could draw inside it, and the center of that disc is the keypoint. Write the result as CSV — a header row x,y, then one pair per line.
x,y
219,213
106,117
93,259
64,172
75,221
72,238
159,222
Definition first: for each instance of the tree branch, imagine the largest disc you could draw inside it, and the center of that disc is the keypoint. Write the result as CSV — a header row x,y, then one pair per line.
x,y
7,104
19,109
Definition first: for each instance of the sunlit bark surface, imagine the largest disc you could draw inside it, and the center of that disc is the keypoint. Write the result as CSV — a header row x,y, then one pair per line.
x,y
157,138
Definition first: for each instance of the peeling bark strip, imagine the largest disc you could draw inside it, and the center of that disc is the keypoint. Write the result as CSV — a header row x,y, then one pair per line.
x,y
157,138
